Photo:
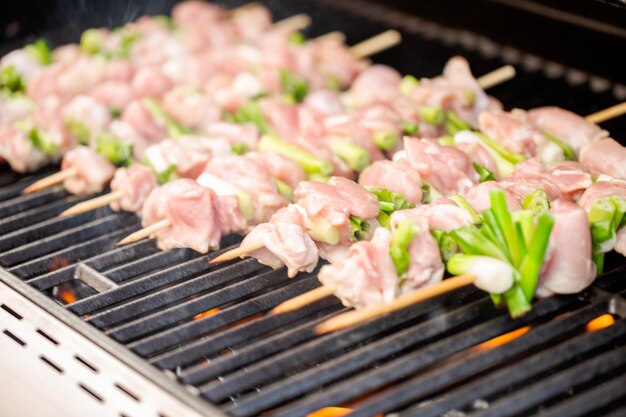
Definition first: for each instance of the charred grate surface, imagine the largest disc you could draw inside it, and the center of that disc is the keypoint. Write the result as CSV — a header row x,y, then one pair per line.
x,y
207,325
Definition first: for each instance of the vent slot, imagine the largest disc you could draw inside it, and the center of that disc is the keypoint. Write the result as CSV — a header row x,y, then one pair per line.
x,y
51,364
91,392
127,392
14,338
87,364
47,337
11,311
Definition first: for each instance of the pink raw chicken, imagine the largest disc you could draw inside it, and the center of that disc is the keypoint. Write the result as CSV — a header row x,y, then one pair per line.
x,y
602,189
93,171
606,156
135,183
280,167
114,94
193,213
568,267
446,168
190,108
139,118
187,154
375,83
528,177
478,197
18,151
425,267
285,242
566,126
443,214
512,130
246,134
367,276
395,176
90,113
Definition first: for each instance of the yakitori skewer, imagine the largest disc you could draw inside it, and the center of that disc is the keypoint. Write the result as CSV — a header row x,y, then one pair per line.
x,y
607,114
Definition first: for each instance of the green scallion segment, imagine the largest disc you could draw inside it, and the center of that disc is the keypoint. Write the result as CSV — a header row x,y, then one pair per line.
x,y
250,112
408,84
357,157
311,164
293,86
116,150
385,141
11,81
483,173
400,243
41,51
568,152
359,228
432,115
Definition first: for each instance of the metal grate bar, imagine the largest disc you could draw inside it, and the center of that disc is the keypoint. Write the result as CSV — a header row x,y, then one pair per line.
x,y
209,346
101,261
72,237
587,403
71,254
143,285
228,316
440,378
178,292
149,264
415,361
526,399
44,229
272,368
22,203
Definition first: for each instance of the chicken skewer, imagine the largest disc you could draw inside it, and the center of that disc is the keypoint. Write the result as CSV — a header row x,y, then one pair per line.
x,y
370,46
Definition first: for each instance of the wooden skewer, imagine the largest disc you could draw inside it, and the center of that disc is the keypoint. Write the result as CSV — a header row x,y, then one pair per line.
x,y
606,114
355,317
243,7
293,23
145,232
496,77
331,36
85,206
304,299
49,181
376,44
232,254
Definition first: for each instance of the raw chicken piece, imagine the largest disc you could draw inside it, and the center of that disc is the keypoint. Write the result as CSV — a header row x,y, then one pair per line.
x,y
150,82
324,101
570,177
512,130
426,267
18,151
361,203
114,94
566,126
605,156
375,83
471,145
568,267
143,122
230,216
367,276
285,242
24,62
620,241
187,154
478,196
93,171
442,215
395,176
528,177
135,183
601,189
235,133
14,108
252,21
193,212
281,167
89,113
190,108
446,168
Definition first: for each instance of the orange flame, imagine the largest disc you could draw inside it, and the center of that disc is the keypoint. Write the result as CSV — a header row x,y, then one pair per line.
x,y
605,320
206,313
330,412
503,339
67,295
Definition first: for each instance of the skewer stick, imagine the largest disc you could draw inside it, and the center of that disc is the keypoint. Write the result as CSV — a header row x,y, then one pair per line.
x,y
355,317
332,36
49,181
496,77
303,299
243,7
293,23
606,114
376,44
145,232
93,204
239,251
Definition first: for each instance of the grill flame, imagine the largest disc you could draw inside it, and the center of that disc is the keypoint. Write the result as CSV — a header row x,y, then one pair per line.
x,y
67,295
605,320
206,313
503,339
330,412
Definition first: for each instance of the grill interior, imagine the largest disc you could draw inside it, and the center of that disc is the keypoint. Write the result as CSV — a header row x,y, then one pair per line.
x,y
206,325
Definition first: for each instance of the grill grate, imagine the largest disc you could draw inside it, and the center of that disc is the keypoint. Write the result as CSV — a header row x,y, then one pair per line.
x,y
206,323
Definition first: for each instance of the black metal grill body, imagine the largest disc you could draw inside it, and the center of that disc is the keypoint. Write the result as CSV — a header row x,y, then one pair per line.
x,y
207,326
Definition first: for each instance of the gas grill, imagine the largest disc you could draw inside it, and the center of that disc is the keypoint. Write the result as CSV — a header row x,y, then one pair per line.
x,y
89,328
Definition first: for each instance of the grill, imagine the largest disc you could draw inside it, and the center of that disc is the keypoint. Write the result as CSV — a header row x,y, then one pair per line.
x,y
132,331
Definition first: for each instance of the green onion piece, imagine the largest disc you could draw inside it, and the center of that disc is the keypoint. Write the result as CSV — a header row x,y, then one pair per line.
x,y
492,275
531,264
163,176
483,173
309,162
472,242
568,151
432,115
409,128
127,40
620,211
357,157
42,141
296,38
407,84
41,51
240,148
91,41
470,96
503,216
250,112
602,223
333,83
284,189
446,140
526,221
173,128
429,193
115,112
454,124
537,202
359,228
517,302
294,86
463,203
385,141
11,81
323,231
116,150
493,231
399,246
447,245
509,156
389,201
384,219
78,130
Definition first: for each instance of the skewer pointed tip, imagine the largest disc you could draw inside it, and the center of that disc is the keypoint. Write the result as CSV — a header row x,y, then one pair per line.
x,y
237,252
49,181
92,204
145,232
